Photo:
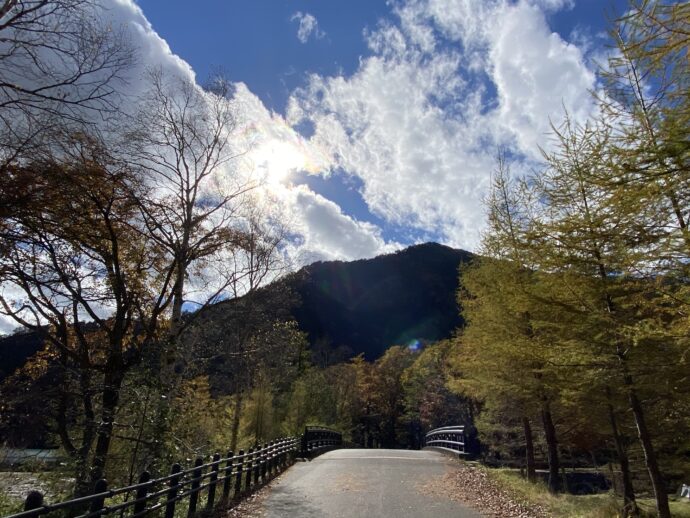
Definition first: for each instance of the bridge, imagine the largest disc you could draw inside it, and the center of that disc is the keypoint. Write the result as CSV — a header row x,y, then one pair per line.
x,y
318,478
364,483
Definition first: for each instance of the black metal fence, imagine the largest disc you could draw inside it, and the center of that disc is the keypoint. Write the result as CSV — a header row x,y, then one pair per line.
x,y
317,439
450,438
189,491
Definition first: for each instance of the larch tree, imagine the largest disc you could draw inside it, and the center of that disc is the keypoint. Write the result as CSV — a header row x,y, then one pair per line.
x,y
496,302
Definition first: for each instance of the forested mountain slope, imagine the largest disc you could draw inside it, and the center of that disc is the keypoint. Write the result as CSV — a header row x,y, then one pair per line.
x,y
369,305
347,308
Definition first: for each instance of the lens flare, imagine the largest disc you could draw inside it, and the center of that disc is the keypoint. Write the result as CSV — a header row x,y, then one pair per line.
x,y
414,345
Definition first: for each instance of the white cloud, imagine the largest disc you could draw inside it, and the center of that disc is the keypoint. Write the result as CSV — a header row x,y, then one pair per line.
x,y
327,233
420,121
537,76
274,151
308,26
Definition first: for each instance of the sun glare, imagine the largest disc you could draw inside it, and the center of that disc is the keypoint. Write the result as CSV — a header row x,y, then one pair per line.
x,y
276,160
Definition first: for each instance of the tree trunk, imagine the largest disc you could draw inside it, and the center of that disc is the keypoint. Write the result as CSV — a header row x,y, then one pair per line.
x,y
529,449
112,384
629,503
178,299
80,454
645,438
236,421
554,482
650,459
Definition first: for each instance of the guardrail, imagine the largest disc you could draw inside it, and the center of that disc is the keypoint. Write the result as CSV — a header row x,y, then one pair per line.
x,y
198,488
450,438
317,439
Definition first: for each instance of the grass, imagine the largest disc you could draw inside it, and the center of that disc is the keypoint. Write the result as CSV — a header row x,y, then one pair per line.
x,y
602,505
9,505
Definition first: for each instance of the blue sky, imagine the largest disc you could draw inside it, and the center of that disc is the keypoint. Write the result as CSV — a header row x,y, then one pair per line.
x,y
396,107
256,42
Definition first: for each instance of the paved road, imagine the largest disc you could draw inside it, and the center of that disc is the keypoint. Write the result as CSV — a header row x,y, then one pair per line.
x,y
362,484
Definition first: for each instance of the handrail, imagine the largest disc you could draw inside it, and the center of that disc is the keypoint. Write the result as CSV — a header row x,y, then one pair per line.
x,y
316,439
202,486
449,438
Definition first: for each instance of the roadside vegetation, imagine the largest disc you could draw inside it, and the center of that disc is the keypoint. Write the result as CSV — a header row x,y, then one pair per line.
x,y
564,505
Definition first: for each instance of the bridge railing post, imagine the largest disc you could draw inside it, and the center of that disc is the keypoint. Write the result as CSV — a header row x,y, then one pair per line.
x,y
196,483
172,492
227,480
213,481
248,478
238,474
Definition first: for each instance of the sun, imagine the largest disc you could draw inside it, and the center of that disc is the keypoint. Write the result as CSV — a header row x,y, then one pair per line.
x,y
276,160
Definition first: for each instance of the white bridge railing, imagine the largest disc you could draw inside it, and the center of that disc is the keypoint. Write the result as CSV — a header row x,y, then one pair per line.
x,y
451,438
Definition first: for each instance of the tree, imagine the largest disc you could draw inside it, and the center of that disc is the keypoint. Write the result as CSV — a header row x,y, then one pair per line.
x,y
593,245
505,358
218,241
181,143
78,269
244,341
62,64
386,394
497,295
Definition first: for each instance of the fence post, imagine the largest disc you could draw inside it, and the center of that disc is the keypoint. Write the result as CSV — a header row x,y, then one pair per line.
x,y
172,492
282,455
264,463
34,500
97,504
140,497
282,449
238,479
259,456
196,482
213,481
305,445
228,476
271,458
248,479
291,453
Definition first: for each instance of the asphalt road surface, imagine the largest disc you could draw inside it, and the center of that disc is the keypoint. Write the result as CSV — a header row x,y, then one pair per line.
x,y
362,484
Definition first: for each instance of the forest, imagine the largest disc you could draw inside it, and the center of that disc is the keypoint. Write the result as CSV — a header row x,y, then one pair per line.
x,y
145,278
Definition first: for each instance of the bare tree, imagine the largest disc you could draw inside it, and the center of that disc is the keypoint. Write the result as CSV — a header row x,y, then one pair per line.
x,y
61,62
182,144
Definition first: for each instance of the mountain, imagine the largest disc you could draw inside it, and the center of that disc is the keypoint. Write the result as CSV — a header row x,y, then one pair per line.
x,y
346,308
16,348
366,306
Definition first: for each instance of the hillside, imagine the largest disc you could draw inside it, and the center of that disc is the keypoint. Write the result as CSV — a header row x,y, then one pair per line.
x,y
346,308
369,305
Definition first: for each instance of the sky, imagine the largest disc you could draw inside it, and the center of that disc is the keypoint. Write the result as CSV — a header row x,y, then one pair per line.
x,y
377,122
373,125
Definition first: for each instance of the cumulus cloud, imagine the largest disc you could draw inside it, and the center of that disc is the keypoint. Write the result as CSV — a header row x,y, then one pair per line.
x,y
420,121
308,26
270,150
326,232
